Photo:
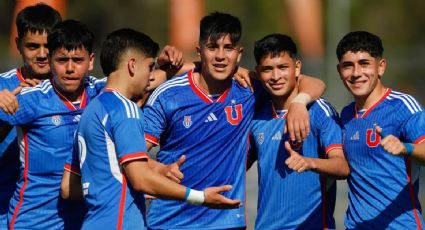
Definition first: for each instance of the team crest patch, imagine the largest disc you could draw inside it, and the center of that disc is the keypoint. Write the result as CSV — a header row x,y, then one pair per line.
x,y
56,120
187,121
260,138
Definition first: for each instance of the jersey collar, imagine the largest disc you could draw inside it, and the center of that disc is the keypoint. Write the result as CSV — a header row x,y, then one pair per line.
x,y
69,103
19,75
387,92
198,91
275,114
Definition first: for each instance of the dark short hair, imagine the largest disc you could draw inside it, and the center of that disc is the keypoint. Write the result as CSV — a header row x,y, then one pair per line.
x,y
71,35
118,42
273,45
217,25
360,41
37,18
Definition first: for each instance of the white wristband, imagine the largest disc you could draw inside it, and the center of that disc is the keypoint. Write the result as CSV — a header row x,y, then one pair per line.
x,y
302,98
196,197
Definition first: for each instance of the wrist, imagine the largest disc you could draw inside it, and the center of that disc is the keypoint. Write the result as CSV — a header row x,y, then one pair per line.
x,y
302,98
409,148
194,197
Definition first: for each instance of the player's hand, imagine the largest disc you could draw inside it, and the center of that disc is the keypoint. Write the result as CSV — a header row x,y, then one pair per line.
x,y
214,199
243,77
297,122
297,162
170,56
30,82
172,171
391,143
8,102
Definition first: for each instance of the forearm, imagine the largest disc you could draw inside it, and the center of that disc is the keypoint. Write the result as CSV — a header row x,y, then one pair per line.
x,y
418,153
71,186
153,183
335,167
155,165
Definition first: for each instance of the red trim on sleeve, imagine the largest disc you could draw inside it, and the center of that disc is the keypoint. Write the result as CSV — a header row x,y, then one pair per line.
x,y
332,147
133,156
152,139
419,140
72,169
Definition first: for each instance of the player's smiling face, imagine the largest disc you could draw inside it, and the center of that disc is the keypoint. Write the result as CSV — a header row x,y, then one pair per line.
x,y
220,58
69,67
360,72
279,74
34,52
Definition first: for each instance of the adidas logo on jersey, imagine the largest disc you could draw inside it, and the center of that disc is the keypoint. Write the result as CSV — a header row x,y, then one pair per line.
x,y
211,117
355,137
277,136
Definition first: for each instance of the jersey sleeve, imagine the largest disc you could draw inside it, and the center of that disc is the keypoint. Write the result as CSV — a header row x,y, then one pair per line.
x,y
127,131
26,113
414,128
329,129
156,120
72,163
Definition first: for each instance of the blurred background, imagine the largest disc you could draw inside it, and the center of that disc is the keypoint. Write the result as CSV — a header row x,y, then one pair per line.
x,y
315,25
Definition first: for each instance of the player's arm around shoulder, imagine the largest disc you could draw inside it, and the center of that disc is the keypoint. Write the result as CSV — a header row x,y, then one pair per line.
x,y
297,118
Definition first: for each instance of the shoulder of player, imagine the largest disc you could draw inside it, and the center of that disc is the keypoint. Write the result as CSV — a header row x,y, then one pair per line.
x,y
9,79
9,74
119,106
91,81
322,106
403,103
44,88
348,109
171,86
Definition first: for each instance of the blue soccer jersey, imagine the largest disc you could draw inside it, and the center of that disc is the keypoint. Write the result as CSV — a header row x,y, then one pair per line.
x,y
383,189
110,133
9,152
287,199
46,123
213,134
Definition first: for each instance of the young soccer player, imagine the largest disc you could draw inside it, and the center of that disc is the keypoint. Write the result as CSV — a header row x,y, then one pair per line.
x,y
296,189
384,133
33,24
205,115
46,120
114,167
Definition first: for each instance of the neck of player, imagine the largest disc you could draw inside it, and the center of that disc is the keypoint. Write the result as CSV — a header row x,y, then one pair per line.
x,y
367,101
283,102
210,85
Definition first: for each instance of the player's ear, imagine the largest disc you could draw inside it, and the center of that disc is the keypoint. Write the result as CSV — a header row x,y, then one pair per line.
x,y
198,50
18,44
240,54
91,61
131,66
298,65
382,65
